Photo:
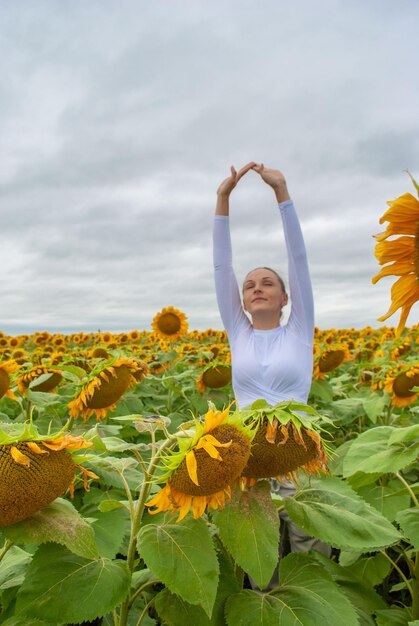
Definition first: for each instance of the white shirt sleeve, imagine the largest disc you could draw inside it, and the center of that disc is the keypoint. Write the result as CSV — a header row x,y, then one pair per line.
x,y
301,320
226,287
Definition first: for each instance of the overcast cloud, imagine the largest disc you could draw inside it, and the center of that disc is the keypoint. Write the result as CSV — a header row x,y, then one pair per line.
x,y
119,119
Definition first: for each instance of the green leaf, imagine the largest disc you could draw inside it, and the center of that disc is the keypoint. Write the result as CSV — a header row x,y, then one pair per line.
x,y
347,410
176,612
388,499
59,522
392,617
372,452
321,390
409,523
371,569
63,587
115,444
110,529
23,621
331,511
404,435
13,567
374,406
359,591
183,556
306,596
249,528
109,469
110,505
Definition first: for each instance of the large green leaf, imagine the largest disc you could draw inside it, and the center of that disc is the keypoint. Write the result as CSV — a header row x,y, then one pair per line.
x,y
356,588
249,528
176,612
409,523
110,529
63,587
331,511
372,451
371,569
59,522
387,499
13,567
306,596
183,556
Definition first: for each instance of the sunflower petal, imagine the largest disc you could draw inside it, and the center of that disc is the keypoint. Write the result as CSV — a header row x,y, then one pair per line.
x,y
192,467
19,457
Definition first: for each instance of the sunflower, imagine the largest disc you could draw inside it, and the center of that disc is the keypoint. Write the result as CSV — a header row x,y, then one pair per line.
x,y
134,335
285,441
35,470
201,474
400,256
7,368
214,377
100,353
170,324
46,385
329,360
399,382
103,390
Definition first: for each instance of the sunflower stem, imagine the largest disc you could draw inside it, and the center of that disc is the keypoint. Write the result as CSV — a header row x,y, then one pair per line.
x,y
144,611
396,567
409,489
140,590
138,510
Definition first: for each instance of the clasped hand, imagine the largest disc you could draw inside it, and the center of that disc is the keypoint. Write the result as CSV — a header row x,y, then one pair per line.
x,y
274,178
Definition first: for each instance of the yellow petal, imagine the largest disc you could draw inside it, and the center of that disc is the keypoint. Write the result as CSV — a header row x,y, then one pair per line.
x,y
19,457
198,505
192,467
35,448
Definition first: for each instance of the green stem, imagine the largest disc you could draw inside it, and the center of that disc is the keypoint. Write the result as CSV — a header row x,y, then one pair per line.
x,y
141,589
144,612
387,419
409,489
138,510
396,567
128,493
140,461
6,546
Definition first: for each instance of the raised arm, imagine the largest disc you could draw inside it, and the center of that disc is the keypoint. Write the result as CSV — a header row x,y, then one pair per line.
x,y
226,287
301,319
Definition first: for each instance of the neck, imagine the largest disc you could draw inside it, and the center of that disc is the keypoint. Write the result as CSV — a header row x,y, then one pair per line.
x,y
266,322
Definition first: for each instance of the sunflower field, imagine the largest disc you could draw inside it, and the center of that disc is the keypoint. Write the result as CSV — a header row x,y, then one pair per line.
x,y
132,491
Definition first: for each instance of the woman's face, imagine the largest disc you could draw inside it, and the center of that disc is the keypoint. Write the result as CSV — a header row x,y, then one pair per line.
x,y
263,293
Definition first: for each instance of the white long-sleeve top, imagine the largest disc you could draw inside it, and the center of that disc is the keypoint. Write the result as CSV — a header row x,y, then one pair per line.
x,y
274,364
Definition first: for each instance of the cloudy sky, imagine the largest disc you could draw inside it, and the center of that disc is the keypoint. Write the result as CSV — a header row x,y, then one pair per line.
x,y
118,120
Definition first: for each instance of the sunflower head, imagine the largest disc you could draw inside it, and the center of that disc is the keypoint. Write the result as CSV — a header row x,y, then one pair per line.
x,y
34,470
170,324
214,377
399,383
104,388
287,438
50,379
209,462
330,359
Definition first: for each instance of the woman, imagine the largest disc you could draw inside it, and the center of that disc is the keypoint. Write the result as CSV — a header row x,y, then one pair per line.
x,y
269,360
